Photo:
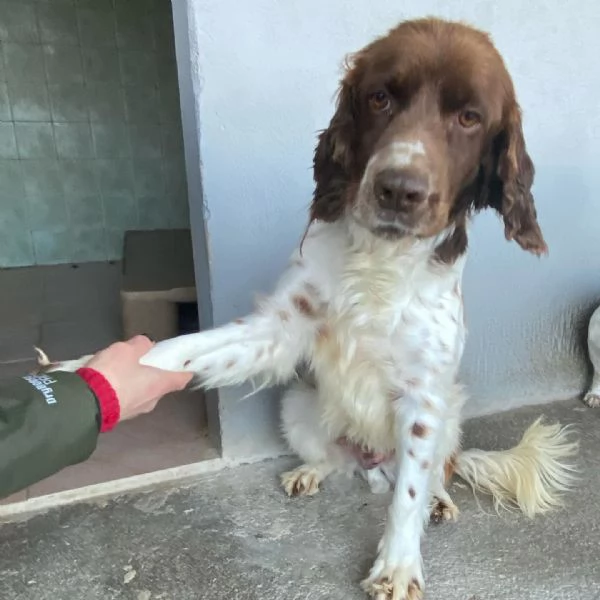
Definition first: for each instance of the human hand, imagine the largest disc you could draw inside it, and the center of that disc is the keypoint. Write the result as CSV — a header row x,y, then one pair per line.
x,y
138,388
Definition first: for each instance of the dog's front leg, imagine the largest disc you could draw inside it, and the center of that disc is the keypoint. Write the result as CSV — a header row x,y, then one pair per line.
x,y
397,573
259,346
266,344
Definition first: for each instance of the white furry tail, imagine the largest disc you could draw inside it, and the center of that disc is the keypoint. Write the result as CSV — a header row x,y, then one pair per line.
x,y
533,475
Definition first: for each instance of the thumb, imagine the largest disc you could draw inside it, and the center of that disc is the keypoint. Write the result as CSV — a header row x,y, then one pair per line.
x,y
140,345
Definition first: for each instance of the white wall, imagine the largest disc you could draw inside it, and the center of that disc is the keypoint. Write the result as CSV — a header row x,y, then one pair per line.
x,y
265,76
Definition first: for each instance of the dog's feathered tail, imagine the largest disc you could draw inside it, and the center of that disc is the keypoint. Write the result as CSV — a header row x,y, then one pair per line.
x,y
532,476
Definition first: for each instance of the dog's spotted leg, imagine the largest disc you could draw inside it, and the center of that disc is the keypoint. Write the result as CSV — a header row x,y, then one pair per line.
x,y
397,573
267,344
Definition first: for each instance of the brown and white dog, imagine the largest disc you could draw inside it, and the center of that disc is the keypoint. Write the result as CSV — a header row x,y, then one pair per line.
x,y
427,132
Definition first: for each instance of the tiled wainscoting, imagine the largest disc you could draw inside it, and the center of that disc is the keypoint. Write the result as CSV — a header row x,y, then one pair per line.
x,y
90,128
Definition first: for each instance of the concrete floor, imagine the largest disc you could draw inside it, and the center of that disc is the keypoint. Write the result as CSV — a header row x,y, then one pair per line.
x,y
234,536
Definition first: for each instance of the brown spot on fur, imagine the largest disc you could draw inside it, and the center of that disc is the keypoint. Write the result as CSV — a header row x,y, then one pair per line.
x,y
425,465
303,306
411,453
239,321
260,352
230,364
411,492
419,430
449,469
186,363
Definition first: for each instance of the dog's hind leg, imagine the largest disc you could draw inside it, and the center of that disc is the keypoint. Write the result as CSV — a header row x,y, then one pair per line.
x,y
309,439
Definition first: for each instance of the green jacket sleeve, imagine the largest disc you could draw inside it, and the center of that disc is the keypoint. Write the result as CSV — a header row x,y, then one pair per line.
x,y
47,422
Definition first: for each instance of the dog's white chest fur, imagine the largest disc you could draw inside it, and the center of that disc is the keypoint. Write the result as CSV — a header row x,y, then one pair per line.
x,y
395,321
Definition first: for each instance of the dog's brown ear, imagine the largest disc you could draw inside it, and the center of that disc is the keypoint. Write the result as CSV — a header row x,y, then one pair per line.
x,y
509,190
333,159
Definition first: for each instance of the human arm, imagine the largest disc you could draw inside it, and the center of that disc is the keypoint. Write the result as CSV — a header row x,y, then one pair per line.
x,y
51,420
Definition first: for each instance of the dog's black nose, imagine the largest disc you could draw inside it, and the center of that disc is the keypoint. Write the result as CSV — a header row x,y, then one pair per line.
x,y
400,189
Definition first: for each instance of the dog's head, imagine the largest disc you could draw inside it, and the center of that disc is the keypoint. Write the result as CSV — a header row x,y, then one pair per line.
x,y
427,130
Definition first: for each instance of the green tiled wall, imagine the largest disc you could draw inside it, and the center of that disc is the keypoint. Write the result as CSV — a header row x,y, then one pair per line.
x,y
90,129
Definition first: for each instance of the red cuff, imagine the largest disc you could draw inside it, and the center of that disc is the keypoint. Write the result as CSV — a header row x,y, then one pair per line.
x,y
110,410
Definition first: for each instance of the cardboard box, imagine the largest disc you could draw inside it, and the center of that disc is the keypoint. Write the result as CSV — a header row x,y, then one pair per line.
x,y
158,275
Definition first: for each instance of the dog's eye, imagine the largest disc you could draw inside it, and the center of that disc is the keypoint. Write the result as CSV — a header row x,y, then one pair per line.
x,y
469,119
379,101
